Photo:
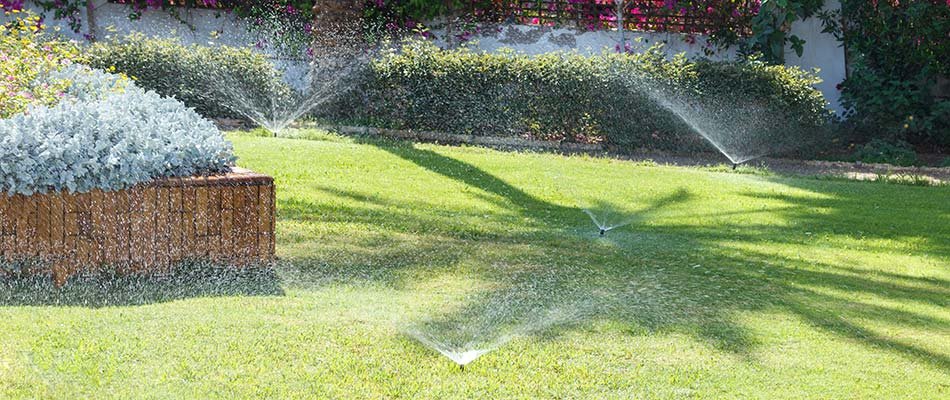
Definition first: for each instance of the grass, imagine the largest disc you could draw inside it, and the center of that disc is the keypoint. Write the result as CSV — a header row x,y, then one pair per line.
x,y
723,285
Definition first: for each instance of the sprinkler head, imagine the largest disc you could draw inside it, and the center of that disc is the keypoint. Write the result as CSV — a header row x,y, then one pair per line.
x,y
734,166
603,232
462,367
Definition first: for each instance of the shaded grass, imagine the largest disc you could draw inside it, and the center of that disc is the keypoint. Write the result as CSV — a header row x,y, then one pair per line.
x,y
724,285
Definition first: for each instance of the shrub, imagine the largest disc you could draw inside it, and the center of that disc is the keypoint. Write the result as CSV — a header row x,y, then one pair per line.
x,y
880,151
610,98
212,80
897,86
26,53
107,134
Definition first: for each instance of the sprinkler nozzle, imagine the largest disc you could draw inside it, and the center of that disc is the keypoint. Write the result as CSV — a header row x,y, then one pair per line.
x,y
734,166
462,367
603,232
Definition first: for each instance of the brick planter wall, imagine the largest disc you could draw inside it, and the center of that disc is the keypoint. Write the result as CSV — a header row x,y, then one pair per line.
x,y
226,219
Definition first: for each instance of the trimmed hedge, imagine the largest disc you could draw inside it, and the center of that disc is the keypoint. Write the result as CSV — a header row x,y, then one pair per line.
x,y
215,81
106,133
610,98
621,100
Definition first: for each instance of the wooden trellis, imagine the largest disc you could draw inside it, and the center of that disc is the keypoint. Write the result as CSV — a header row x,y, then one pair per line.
x,y
639,15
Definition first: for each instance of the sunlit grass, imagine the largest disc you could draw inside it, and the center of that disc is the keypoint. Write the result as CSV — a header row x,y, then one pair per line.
x,y
724,285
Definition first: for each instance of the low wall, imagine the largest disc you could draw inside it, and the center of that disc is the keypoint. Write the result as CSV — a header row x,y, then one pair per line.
x,y
225,219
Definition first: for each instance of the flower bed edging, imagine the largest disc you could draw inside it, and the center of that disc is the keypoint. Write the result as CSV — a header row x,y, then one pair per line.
x,y
226,219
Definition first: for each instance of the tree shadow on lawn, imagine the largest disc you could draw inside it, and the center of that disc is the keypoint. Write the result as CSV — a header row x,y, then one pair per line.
x,y
653,278
854,209
188,280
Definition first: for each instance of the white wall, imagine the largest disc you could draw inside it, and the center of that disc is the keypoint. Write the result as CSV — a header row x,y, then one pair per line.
x,y
537,39
202,25
197,26
821,51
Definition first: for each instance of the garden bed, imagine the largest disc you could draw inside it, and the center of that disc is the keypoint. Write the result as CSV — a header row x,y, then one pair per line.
x,y
227,219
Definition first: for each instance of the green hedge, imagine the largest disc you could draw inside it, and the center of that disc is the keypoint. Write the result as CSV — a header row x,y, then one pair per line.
x,y
609,98
216,81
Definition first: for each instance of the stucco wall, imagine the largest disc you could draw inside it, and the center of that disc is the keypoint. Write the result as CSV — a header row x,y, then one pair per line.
x,y
537,39
821,51
196,25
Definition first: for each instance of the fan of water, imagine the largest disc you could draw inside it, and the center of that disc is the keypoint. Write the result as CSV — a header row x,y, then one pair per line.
x,y
607,219
522,305
605,216
742,128
304,85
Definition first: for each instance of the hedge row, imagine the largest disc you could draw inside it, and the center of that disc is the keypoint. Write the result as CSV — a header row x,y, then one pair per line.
x,y
215,81
623,100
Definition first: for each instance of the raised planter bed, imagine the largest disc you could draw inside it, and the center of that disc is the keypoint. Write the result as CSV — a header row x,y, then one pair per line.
x,y
227,219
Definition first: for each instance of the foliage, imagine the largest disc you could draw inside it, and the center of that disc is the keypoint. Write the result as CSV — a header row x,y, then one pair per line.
x,y
753,25
283,26
898,86
771,25
106,134
880,151
68,10
27,53
196,75
569,97
759,25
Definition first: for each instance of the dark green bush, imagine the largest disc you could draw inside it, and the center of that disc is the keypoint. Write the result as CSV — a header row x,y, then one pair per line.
x,y
899,65
880,151
609,98
212,80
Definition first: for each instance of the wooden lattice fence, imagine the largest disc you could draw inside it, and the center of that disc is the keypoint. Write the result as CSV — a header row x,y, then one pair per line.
x,y
695,17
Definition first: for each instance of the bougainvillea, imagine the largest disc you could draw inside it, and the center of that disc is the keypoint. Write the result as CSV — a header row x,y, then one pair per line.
x,y
11,5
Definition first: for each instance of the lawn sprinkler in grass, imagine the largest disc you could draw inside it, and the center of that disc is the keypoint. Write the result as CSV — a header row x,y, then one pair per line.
x,y
305,85
459,357
605,216
740,126
517,305
740,130
606,220
312,66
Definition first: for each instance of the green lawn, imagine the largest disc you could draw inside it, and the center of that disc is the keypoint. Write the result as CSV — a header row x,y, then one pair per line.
x,y
724,285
